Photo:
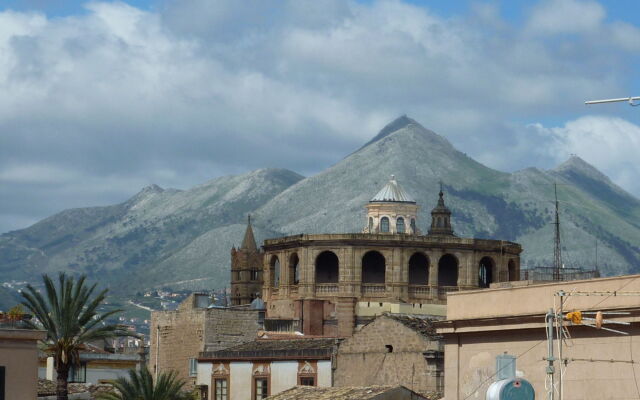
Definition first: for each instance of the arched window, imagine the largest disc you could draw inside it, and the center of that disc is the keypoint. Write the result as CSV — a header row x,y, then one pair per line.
x,y
511,269
327,267
400,225
294,271
370,224
413,226
373,267
384,224
275,271
448,271
418,269
485,272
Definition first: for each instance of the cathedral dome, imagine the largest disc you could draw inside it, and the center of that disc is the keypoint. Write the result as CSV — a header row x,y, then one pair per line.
x,y
392,192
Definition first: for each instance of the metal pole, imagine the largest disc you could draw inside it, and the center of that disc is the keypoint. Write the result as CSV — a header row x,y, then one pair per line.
x,y
559,320
550,317
629,99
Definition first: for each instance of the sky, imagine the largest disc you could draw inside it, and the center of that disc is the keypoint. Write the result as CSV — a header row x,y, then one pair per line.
x,y
99,99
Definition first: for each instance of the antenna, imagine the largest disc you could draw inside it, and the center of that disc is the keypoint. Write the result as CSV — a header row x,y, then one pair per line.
x,y
630,100
557,249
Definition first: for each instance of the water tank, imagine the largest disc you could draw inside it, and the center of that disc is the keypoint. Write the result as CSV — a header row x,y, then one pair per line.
x,y
511,389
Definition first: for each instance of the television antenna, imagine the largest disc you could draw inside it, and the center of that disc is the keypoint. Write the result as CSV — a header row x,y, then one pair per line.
x,y
631,100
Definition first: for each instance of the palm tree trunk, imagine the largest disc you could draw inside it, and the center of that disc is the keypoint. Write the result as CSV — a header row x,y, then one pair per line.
x,y
62,392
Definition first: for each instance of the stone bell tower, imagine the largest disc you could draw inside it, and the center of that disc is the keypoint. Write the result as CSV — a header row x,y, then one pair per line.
x,y
441,218
246,269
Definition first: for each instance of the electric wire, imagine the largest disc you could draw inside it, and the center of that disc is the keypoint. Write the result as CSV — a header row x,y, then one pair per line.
x,y
496,373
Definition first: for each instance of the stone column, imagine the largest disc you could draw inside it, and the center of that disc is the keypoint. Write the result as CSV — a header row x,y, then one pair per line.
x,y
434,259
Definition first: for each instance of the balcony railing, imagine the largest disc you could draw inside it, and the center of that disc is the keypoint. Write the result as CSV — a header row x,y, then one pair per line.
x,y
373,289
443,290
326,288
420,291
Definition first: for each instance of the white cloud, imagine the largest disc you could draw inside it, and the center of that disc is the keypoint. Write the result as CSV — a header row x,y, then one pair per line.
x,y
566,16
202,88
610,144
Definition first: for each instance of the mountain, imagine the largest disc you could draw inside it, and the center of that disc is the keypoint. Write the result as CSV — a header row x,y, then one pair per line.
x,y
8,298
182,238
157,237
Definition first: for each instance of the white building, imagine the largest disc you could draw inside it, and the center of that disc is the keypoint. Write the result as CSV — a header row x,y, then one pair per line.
x,y
264,367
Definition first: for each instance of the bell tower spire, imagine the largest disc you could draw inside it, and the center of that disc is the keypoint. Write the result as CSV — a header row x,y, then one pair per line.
x,y
441,217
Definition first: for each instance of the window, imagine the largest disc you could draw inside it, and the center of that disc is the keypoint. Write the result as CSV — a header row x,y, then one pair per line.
x,y
307,381
370,224
193,367
2,374
400,225
221,389
413,226
261,389
254,274
78,373
384,224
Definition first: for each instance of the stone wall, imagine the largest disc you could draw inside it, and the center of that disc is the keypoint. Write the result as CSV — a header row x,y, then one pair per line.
x,y
365,359
178,336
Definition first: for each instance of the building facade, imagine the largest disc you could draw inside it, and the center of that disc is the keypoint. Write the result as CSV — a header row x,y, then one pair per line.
x,y
19,362
330,284
177,337
264,367
598,364
394,349
246,270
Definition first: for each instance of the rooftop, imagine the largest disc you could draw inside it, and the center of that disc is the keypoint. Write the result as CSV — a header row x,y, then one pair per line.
x,y
392,192
422,325
347,393
276,348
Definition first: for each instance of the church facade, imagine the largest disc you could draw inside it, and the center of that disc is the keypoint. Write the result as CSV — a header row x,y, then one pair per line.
x,y
330,284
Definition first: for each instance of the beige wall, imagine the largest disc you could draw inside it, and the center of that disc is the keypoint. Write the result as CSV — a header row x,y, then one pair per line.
x,y
19,356
484,324
363,359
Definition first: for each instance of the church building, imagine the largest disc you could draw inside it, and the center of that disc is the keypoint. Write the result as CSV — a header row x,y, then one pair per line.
x,y
331,284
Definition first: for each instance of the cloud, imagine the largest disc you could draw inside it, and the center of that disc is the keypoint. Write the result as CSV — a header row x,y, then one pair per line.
x,y
197,89
610,144
566,16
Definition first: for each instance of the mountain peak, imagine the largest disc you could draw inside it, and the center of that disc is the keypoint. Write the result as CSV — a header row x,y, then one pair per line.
x,y
401,122
577,165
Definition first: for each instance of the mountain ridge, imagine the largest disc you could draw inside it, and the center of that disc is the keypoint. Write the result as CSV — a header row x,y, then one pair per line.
x,y
163,236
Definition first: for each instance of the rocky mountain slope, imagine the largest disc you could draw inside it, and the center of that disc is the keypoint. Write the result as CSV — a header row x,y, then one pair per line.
x,y
182,238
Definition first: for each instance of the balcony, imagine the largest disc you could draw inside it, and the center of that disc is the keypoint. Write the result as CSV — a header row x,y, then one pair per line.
x,y
420,291
327,289
373,289
443,290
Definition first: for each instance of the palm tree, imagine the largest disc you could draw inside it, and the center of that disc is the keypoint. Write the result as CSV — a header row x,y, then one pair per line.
x,y
69,315
140,386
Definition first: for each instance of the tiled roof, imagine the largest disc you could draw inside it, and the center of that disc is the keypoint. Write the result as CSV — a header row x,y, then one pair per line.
x,y
275,348
392,192
422,325
342,393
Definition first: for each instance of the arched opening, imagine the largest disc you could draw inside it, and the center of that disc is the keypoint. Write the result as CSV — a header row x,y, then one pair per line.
x,y
274,266
400,225
373,267
418,269
294,271
370,224
384,224
413,226
448,271
327,267
485,272
511,269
